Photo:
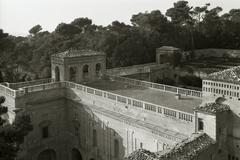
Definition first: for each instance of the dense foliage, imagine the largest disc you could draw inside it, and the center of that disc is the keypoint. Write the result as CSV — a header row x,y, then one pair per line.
x,y
183,26
12,135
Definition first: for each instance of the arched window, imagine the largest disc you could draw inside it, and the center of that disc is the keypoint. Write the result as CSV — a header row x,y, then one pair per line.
x,y
76,155
94,137
98,69
48,154
85,71
116,148
73,74
57,74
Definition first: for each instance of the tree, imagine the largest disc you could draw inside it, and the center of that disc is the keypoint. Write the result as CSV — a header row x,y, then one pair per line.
x,y
151,21
34,30
82,22
67,29
180,14
12,135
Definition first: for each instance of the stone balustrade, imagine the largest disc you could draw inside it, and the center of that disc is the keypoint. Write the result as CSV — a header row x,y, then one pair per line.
x,y
162,87
7,91
29,83
169,112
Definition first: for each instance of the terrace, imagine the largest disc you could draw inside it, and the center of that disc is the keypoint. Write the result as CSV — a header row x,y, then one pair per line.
x,y
185,103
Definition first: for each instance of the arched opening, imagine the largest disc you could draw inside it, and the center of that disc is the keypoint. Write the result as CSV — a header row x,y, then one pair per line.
x,y
116,148
76,155
98,69
48,154
57,74
73,74
200,124
85,71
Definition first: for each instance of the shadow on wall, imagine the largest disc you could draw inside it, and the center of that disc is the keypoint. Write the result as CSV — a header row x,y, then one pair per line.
x,y
84,136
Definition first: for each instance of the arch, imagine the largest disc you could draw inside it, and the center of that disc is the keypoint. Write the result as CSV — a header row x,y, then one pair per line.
x,y
48,154
73,74
76,155
85,71
57,74
85,68
98,68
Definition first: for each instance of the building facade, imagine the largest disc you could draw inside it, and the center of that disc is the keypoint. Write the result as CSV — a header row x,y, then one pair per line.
x,y
84,114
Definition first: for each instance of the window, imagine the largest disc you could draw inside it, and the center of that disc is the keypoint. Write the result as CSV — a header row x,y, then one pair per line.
x,y
73,74
220,130
45,133
94,137
76,131
85,71
141,145
75,116
98,68
200,124
116,148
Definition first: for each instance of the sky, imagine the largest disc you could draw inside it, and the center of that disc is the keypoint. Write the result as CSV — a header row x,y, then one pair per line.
x,y
18,16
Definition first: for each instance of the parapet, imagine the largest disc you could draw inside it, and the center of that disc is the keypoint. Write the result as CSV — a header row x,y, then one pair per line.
x,y
78,53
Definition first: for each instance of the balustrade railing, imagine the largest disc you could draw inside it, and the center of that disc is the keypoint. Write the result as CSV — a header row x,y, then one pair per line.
x,y
166,88
166,111
7,91
29,83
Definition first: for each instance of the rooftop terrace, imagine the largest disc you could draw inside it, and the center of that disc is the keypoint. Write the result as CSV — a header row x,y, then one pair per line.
x,y
155,96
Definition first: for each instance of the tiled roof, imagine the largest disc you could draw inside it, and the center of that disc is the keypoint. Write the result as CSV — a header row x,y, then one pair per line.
x,y
142,154
231,75
187,149
213,107
77,53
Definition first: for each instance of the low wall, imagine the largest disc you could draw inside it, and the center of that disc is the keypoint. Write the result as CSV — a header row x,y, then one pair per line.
x,y
29,83
129,70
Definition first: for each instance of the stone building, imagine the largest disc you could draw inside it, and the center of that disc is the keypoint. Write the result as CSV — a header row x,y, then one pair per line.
x,y
83,113
78,66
